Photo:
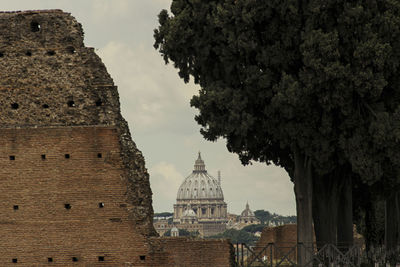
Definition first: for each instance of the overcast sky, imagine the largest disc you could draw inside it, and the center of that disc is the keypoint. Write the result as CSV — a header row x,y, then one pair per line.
x,y
155,102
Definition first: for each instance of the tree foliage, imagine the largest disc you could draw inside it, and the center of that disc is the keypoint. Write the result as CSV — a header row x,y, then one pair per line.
x,y
237,236
254,228
263,215
295,82
320,74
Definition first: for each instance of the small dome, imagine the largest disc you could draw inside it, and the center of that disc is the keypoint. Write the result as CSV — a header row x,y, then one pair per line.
x,y
247,212
200,185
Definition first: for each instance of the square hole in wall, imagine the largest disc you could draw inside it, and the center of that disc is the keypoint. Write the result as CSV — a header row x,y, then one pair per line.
x,y
74,258
71,103
35,26
99,155
15,207
12,157
50,259
101,258
67,156
14,260
71,49
43,156
101,205
67,206
142,257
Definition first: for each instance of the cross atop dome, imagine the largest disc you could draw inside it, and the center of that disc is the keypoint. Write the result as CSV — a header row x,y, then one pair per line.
x,y
199,165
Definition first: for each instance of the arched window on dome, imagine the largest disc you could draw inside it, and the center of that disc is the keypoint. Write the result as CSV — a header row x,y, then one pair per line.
x,y
195,193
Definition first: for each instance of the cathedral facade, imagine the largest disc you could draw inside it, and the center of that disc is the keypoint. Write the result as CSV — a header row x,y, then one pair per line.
x,y
200,202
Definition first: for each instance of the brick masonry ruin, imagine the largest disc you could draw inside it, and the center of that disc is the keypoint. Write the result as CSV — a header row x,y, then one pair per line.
x,y
73,186
189,252
284,238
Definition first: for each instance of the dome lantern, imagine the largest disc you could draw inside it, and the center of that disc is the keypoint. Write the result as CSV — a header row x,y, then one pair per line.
x,y
199,165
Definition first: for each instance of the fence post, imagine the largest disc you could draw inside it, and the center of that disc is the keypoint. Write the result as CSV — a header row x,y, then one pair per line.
x,y
242,255
237,254
270,254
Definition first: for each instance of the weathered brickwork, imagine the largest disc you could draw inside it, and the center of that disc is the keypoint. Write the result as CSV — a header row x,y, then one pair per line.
x,y
188,252
73,186
61,207
284,238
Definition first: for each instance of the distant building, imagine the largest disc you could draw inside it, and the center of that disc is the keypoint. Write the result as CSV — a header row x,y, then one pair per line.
x,y
162,226
247,216
174,232
200,203
232,220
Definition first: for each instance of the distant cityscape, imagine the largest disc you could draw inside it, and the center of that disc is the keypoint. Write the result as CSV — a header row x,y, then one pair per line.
x,y
200,210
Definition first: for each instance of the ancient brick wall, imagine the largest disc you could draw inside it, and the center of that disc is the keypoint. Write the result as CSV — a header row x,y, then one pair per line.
x,y
73,185
283,237
190,252
284,234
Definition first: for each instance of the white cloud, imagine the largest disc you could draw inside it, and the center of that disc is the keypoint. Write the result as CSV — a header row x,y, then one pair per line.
x,y
165,180
111,8
150,94
265,187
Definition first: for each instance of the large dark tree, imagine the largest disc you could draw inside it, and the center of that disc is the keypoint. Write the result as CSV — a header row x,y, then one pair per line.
x,y
296,83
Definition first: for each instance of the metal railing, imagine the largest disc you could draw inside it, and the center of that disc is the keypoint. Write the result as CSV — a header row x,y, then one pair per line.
x,y
329,255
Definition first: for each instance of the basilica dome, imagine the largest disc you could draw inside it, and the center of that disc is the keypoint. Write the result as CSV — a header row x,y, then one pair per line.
x,y
200,185
200,204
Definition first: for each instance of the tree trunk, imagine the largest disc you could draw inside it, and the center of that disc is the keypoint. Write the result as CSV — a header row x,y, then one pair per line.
x,y
371,226
345,236
333,209
325,207
303,192
392,220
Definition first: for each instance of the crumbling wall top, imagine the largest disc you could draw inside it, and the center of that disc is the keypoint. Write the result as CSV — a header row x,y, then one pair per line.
x,y
23,30
27,12
48,77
